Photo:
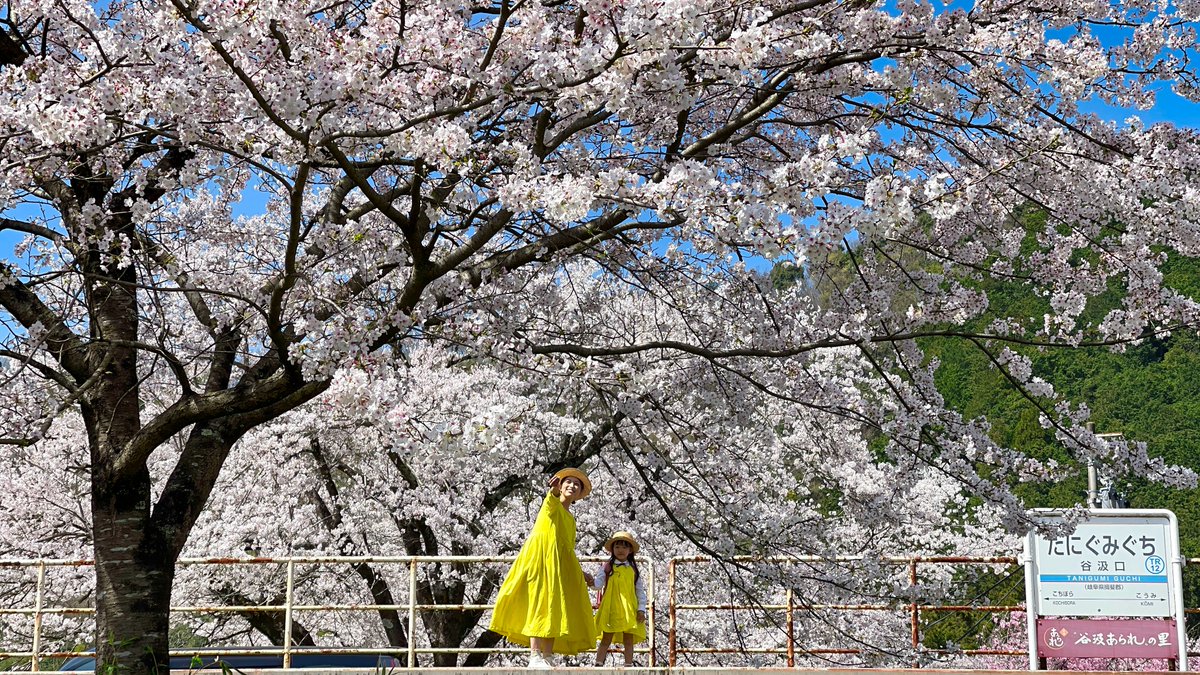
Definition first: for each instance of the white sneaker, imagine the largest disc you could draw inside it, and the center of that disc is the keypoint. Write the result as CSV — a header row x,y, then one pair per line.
x,y
538,662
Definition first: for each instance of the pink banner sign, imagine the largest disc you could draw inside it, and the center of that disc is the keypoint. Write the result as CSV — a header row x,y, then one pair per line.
x,y
1107,638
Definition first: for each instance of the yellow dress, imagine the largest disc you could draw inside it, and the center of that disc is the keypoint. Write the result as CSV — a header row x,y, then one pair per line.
x,y
545,594
619,607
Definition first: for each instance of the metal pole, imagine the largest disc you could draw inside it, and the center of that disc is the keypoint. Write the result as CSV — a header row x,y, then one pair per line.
x,y
1031,603
671,637
1093,497
288,600
412,613
37,615
1177,562
915,613
650,611
791,633
1109,498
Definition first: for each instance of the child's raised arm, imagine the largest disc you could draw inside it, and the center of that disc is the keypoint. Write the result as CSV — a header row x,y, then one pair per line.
x,y
640,589
598,582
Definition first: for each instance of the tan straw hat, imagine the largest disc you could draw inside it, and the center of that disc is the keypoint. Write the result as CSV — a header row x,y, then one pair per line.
x,y
621,536
578,475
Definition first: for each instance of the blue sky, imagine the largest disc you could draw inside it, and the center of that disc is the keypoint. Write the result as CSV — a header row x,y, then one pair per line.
x,y
1170,107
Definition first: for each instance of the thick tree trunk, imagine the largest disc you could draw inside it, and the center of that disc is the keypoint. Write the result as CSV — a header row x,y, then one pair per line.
x,y
134,573
135,565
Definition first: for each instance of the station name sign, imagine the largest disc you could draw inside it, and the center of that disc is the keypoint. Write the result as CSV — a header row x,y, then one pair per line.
x,y
1108,566
1109,587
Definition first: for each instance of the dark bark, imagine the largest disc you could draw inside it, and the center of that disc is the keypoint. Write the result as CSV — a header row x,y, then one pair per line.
x,y
450,628
135,565
135,569
486,640
11,53
393,624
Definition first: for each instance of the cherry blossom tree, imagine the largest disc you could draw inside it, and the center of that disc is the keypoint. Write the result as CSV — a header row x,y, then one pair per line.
x,y
224,203
408,461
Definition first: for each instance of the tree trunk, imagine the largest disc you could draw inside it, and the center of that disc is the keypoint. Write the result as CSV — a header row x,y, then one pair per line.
x,y
134,573
135,565
450,628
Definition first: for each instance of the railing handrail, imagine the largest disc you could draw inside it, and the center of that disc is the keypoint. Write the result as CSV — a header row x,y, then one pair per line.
x,y
791,649
289,563
856,558
903,604
302,560
909,605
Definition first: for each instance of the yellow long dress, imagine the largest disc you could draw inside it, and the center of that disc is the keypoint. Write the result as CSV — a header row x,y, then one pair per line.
x,y
545,594
619,607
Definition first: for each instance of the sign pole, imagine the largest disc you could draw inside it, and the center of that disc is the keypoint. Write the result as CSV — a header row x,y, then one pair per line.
x,y
1177,562
1031,601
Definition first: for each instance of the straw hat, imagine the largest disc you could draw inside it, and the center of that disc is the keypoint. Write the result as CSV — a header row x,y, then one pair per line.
x,y
621,536
578,475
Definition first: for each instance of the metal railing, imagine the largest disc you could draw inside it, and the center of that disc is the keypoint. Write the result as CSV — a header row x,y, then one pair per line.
x,y
791,648
290,606
789,607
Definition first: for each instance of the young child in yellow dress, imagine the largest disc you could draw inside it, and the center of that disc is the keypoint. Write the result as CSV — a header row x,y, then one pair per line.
x,y
544,602
622,612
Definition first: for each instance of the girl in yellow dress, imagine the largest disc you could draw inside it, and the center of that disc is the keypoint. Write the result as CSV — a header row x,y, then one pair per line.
x,y
622,611
544,602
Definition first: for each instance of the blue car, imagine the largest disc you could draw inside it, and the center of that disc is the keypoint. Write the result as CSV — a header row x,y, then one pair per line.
x,y
235,661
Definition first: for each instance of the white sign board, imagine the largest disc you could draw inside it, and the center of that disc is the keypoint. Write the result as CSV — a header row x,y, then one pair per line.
x,y
1107,567
1116,563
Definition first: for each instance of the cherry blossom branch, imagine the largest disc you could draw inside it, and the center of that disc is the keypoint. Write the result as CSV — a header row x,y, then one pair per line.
x,y
248,82
73,397
716,353
49,372
31,228
288,277
238,408
30,311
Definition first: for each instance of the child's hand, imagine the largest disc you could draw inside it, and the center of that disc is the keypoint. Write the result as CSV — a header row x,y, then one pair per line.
x,y
555,482
641,616
591,580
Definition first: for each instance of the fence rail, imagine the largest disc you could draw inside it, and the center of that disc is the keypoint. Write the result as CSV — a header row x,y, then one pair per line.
x,y
791,648
290,606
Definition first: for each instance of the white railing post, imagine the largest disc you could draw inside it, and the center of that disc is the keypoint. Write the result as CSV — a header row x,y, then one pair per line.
x,y
288,601
650,610
412,613
37,615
